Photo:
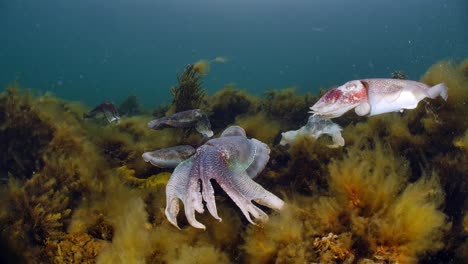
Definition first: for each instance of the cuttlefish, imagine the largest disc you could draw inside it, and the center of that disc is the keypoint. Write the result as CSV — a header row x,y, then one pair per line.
x,y
185,119
108,109
232,160
375,96
316,126
169,157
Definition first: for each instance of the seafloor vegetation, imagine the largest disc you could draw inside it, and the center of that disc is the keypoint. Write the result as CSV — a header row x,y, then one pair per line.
x,y
78,191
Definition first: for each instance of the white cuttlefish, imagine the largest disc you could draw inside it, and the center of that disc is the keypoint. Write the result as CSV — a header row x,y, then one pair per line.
x,y
315,127
375,96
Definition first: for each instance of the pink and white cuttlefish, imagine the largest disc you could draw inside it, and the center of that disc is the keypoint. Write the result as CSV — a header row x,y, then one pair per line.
x,y
233,161
375,96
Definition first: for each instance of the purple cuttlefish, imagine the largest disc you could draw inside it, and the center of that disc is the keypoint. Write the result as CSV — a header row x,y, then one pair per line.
x,y
375,96
232,160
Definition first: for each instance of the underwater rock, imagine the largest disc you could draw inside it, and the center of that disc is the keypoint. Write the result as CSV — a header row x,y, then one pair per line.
x,y
185,119
232,160
375,96
169,157
108,109
315,127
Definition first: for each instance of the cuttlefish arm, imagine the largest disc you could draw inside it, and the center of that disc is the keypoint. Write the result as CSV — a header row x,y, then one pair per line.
x,y
232,161
182,186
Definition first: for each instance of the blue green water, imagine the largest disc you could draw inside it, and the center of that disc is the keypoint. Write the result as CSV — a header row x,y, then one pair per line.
x,y
93,50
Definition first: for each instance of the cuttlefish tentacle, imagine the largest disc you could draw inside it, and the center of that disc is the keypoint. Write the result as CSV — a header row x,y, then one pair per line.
x,y
209,165
176,190
193,202
231,160
243,190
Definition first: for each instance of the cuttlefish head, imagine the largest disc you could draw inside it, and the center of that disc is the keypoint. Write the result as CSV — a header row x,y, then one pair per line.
x,y
341,99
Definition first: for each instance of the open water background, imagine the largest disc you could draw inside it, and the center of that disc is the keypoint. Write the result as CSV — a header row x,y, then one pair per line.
x,y
93,50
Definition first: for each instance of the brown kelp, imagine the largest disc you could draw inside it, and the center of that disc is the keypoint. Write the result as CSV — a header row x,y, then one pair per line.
x,y
227,104
130,106
287,107
369,211
38,199
188,93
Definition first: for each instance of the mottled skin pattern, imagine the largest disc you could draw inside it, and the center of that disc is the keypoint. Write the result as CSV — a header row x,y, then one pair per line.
x,y
169,157
375,96
340,100
232,161
108,109
316,126
190,118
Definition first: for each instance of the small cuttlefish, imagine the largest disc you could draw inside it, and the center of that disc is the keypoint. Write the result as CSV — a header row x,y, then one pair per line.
x,y
108,109
375,96
316,126
190,118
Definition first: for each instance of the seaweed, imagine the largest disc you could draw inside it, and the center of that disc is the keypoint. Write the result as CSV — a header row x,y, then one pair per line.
x,y
23,134
370,213
188,93
74,248
227,104
160,110
130,106
287,107
399,75
259,126
202,67
39,206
